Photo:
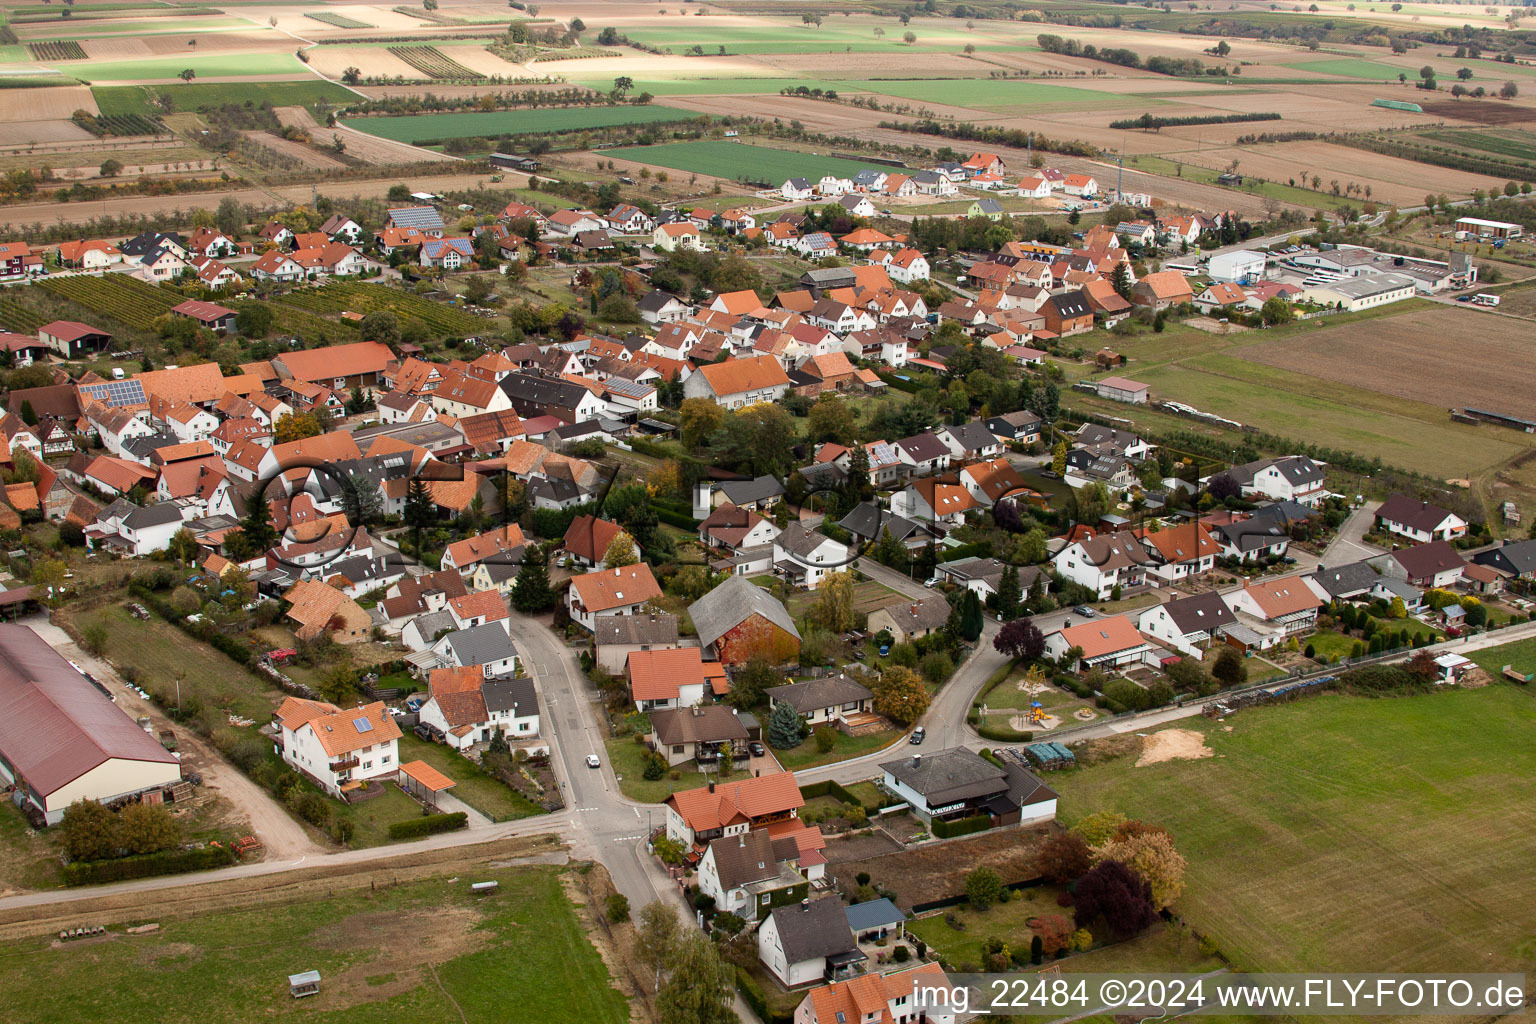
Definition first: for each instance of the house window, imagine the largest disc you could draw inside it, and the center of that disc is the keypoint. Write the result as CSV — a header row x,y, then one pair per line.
x,y
367,764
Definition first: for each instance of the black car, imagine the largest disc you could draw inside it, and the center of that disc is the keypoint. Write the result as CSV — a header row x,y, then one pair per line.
x,y
757,749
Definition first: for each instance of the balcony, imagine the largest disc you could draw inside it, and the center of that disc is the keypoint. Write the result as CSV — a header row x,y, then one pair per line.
x,y
344,765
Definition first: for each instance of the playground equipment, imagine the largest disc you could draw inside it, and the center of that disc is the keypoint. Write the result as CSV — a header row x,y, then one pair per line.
x,y
1036,713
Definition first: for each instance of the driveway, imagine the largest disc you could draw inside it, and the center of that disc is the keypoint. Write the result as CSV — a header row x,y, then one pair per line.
x,y
1348,545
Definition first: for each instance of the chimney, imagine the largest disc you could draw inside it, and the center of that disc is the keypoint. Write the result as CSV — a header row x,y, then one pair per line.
x,y
711,787
741,840
917,760
805,904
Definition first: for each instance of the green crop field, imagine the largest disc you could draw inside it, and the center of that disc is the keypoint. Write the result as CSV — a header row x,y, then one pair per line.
x,y
1517,144
739,161
156,27
140,99
419,128
1350,67
989,94
714,86
834,36
1344,833
422,952
237,66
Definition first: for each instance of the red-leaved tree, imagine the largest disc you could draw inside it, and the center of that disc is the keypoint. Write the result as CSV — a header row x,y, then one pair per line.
x,y
1119,895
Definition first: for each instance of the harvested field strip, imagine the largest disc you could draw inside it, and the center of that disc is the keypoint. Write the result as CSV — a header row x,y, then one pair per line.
x,y
716,86
431,61
419,129
338,20
739,161
70,50
205,67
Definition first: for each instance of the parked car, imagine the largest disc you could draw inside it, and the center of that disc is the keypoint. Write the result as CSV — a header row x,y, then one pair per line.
x,y
918,735
757,749
931,582
1085,611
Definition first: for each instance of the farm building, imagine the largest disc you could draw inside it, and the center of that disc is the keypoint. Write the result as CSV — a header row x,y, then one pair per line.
x,y
73,340
513,162
1122,389
62,739
1489,228
1357,293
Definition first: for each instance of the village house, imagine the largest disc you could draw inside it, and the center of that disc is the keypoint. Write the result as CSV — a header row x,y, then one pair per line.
x,y
737,383
1189,625
1419,521
809,942
1111,643
706,734
738,620
1181,552
671,678
957,783
751,873
1286,606
624,591
339,750
1105,563
696,817
831,700
468,709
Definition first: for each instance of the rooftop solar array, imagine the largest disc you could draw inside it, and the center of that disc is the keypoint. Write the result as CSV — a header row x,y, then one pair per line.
x,y
116,393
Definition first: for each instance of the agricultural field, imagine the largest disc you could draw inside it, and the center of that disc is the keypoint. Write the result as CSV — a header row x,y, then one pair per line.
x,y
404,953
248,65
1520,145
336,20
135,303
1316,840
738,161
431,62
142,99
358,297
56,51
999,95
420,129
1407,358
1350,67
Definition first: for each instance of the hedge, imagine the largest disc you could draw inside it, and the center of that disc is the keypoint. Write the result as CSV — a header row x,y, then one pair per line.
x,y
910,387
676,519
1004,733
428,825
168,862
752,994
980,549
961,826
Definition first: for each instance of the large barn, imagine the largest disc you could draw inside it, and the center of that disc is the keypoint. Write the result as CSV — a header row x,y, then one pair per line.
x,y
62,739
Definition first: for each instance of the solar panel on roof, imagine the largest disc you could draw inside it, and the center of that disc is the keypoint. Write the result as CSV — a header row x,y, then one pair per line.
x,y
363,725
116,393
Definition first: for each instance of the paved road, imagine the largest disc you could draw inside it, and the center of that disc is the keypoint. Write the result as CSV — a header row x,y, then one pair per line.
x,y
1348,544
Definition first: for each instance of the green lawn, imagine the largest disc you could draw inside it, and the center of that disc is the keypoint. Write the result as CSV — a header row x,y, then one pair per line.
x,y
418,128
1007,921
476,787
168,68
1331,644
1521,655
739,161
628,761
1324,833
371,818
806,755
138,99
1350,67
424,952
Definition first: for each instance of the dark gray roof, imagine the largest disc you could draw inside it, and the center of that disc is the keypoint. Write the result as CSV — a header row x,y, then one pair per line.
x,y
867,518
743,492
152,515
948,776
1206,612
423,217
701,723
1418,515
813,930
429,624
545,391
930,613
972,436
1071,304
365,568
1284,513
1095,434
1346,581
142,447
797,540
1024,788
655,301
651,628
481,645
1012,424
1250,534
511,693
814,694
1518,557
1297,470
747,857
732,603
926,447
864,917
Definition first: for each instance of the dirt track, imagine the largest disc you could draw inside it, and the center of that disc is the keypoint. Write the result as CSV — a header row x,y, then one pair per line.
x,y
191,899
